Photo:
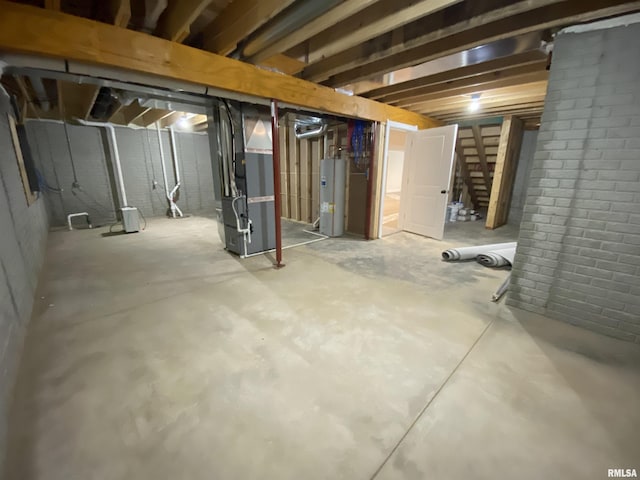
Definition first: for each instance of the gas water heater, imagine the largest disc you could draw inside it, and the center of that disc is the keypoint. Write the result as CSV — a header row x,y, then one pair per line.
x,y
333,174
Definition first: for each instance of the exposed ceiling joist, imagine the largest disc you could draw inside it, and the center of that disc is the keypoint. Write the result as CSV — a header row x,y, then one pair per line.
x,y
549,16
284,64
170,119
240,19
120,12
380,18
133,112
152,11
174,24
418,34
150,117
521,75
387,93
81,40
52,4
345,10
75,101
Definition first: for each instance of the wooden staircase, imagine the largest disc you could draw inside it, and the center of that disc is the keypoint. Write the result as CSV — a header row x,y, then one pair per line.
x,y
477,149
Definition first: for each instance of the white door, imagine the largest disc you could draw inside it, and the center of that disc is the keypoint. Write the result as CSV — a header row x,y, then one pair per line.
x,y
428,163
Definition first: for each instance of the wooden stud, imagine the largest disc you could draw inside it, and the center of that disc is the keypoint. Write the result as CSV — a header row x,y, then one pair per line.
x,y
30,30
504,174
31,110
30,197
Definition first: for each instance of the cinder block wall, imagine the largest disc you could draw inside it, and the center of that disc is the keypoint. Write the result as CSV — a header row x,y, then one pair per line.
x,y
578,258
141,167
23,235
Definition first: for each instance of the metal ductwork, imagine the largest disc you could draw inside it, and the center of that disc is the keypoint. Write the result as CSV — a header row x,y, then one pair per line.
x,y
309,127
292,19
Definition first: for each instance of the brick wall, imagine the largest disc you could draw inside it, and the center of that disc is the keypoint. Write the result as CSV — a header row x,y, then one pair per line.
x,y
578,257
141,168
23,234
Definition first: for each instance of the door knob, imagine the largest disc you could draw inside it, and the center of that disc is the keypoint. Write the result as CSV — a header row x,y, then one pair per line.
x,y
443,191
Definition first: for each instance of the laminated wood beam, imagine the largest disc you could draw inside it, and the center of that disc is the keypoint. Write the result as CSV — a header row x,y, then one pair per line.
x,y
36,31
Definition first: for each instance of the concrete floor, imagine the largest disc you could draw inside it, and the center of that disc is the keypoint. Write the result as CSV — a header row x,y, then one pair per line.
x,y
158,355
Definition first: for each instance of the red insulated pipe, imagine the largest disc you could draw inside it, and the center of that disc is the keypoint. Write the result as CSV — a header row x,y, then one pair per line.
x,y
275,140
367,221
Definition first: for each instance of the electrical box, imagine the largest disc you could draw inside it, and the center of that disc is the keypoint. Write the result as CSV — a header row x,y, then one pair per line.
x,y
130,219
333,176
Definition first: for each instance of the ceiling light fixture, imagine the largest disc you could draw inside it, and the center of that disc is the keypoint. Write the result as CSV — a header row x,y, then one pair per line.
x,y
183,122
474,106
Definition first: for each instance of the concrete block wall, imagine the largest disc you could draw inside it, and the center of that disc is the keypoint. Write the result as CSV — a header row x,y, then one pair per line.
x,y
141,167
23,235
578,257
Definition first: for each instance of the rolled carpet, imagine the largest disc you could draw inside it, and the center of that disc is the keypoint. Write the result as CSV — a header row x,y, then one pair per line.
x,y
469,253
497,258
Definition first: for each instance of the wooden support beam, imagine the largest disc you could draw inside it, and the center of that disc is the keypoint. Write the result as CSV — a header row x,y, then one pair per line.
x,y
385,94
35,31
477,136
466,176
341,70
175,22
504,174
239,20
52,4
382,17
344,10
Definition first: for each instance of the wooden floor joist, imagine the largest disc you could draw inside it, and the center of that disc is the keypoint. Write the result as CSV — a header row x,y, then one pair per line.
x,y
36,31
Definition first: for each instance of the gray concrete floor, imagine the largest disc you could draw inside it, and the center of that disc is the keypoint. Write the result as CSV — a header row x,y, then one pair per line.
x,y
158,355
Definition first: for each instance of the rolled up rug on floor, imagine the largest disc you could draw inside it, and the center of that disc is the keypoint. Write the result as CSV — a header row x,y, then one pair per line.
x,y
469,253
497,258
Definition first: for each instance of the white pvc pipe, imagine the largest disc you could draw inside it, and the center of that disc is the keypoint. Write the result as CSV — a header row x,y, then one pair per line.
x,y
174,150
116,155
81,214
164,169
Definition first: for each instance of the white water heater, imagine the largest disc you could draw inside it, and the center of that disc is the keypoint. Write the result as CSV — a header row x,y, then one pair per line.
x,y
333,174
